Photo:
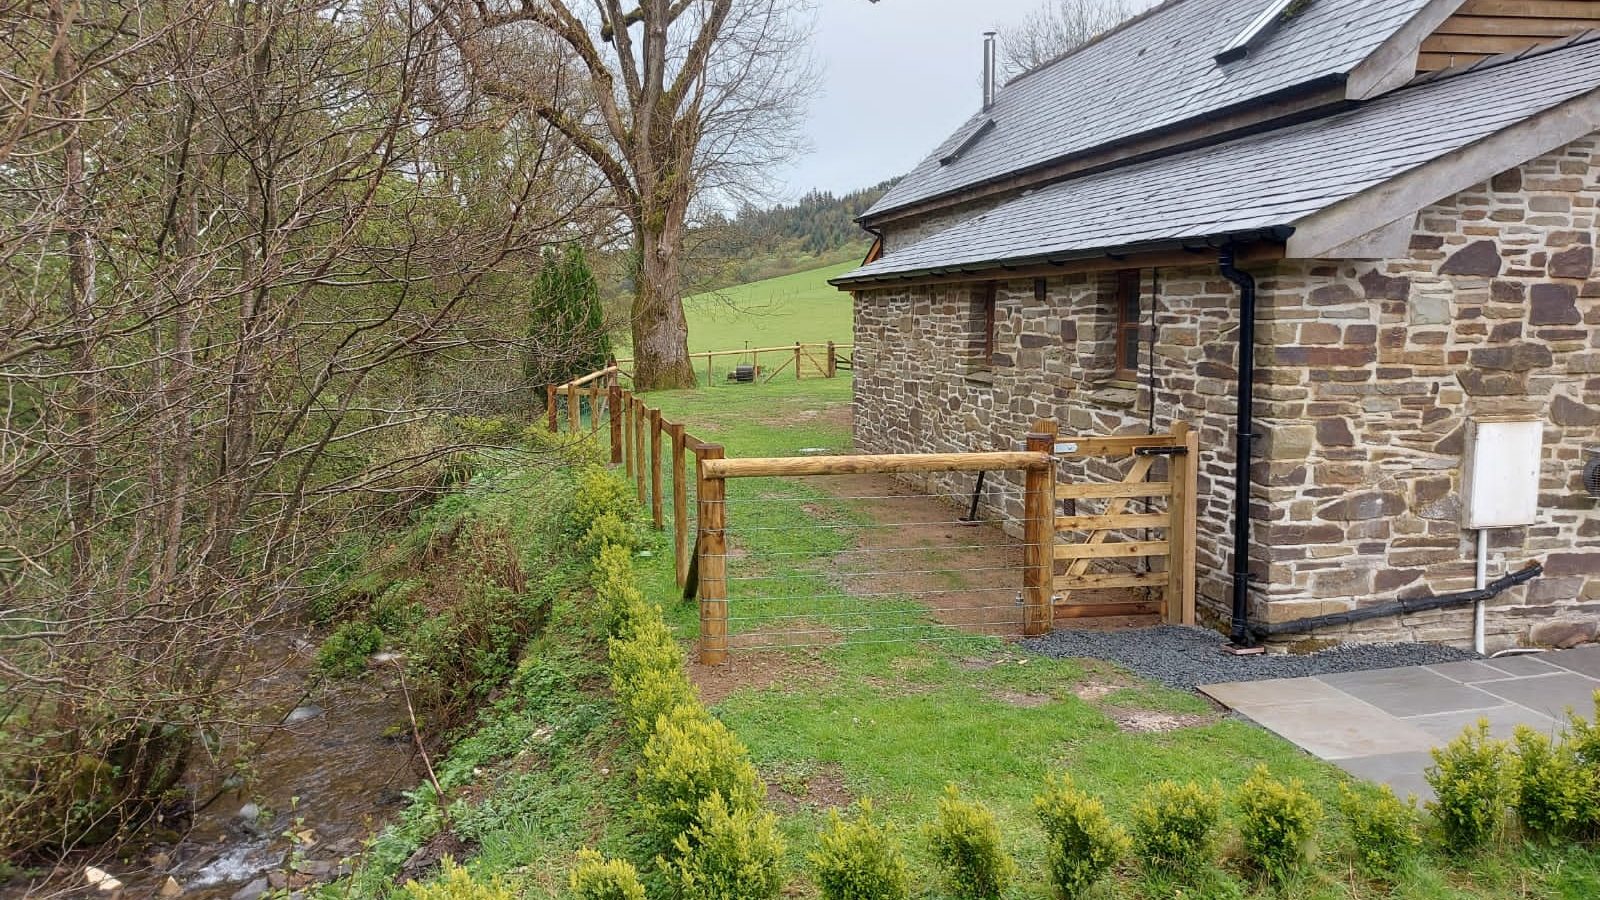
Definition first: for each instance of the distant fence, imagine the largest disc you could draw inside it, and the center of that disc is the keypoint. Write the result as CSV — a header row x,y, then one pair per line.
x,y
816,359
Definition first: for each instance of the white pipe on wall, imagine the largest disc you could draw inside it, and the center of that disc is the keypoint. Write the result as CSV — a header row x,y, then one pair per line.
x,y
1482,581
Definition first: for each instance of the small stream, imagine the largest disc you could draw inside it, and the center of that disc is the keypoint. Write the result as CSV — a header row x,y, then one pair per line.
x,y
315,789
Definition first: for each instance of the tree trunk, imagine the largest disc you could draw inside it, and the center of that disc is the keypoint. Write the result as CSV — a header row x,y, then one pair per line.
x,y
660,334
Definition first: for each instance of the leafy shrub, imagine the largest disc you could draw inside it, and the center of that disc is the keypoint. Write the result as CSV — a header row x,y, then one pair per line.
x,y
965,840
1083,842
596,878
647,673
860,859
732,852
617,590
608,530
344,652
1277,822
600,493
1382,828
1555,792
395,609
1173,824
1472,779
689,757
1584,735
456,883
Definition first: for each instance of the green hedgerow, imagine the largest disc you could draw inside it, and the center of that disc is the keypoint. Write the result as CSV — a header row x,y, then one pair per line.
x,y
596,878
608,530
1584,735
689,757
647,673
731,852
456,883
600,493
860,859
1382,827
1174,824
345,651
1555,791
1473,780
965,840
1277,823
1084,844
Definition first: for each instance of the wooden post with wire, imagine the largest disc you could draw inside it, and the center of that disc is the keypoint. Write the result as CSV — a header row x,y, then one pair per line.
x,y
796,360
614,404
1039,536
1183,472
550,407
713,562
639,460
574,410
594,407
655,468
832,367
680,504
627,433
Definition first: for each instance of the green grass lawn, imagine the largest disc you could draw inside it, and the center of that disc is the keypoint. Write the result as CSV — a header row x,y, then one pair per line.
x,y
896,722
799,307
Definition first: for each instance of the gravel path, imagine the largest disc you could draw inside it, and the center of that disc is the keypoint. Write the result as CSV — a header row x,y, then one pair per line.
x,y
1185,657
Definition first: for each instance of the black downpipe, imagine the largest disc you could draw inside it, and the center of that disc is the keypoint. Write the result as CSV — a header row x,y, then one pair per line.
x,y
1402,607
1244,430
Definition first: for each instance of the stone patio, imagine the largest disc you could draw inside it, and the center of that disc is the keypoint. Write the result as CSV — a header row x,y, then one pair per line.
x,y
1381,724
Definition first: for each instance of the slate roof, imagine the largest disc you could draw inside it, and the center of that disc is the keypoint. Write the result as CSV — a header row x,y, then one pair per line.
x,y
1263,182
1156,71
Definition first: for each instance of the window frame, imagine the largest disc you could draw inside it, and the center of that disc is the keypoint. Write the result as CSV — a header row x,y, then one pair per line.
x,y
986,296
1128,287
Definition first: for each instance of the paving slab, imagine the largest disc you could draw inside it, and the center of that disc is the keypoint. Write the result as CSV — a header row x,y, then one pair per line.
x,y
1380,724
1411,691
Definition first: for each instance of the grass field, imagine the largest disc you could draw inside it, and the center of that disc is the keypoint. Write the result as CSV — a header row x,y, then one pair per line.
x,y
799,307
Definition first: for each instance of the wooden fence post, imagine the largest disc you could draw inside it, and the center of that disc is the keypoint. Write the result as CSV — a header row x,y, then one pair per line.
x,y
550,406
796,360
1039,536
614,403
639,460
655,468
713,565
627,433
680,504
594,406
832,368
574,411
1183,472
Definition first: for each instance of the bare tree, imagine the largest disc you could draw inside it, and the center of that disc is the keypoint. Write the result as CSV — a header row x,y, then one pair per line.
x,y
1057,27
672,102
255,256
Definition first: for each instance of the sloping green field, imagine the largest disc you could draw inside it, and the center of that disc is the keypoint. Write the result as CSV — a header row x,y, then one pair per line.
x,y
799,307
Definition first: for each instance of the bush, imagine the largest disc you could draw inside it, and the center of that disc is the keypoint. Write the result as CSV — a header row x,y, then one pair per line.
x,y
860,859
1173,824
647,673
1472,779
1555,792
345,651
690,757
1584,736
1277,822
456,883
732,852
1083,843
595,878
1382,828
608,530
965,840
617,590
600,493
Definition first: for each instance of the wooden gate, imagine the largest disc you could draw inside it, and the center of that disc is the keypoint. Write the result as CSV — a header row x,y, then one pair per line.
x,y
1119,559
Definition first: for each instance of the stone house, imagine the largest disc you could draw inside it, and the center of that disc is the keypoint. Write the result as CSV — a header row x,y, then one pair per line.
x,y
1391,205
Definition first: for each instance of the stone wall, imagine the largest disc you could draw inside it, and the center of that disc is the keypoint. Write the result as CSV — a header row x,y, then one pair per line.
x,y
1367,374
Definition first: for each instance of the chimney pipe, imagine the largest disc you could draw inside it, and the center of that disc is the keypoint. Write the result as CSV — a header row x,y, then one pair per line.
x,y
990,70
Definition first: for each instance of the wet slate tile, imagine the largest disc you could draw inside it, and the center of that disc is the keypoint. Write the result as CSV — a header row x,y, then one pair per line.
x,y
1503,720
1551,695
1468,671
1339,728
1411,691
1529,664
1583,660
1401,771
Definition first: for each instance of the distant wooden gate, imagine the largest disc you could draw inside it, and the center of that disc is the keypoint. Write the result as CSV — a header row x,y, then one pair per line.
x,y
1137,573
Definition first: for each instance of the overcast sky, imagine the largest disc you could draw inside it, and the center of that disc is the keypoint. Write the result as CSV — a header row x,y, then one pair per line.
x,y
897,77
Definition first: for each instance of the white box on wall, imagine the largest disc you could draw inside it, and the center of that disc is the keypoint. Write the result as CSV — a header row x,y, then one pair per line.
x,y
1500,473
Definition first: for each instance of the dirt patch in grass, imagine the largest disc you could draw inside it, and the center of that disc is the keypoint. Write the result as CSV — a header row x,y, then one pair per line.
x,y
818,790
1090,691
758,670
1151,721
1023,699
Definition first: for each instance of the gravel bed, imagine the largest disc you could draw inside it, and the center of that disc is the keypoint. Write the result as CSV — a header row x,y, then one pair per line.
x,y
1185,657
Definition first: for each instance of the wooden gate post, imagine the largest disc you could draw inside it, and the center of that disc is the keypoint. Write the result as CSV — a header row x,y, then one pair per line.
x,y
680,505
1039,535
796,360
655,468
573,409
832,368
713,564
614,404
639,461
1183,473
550,406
